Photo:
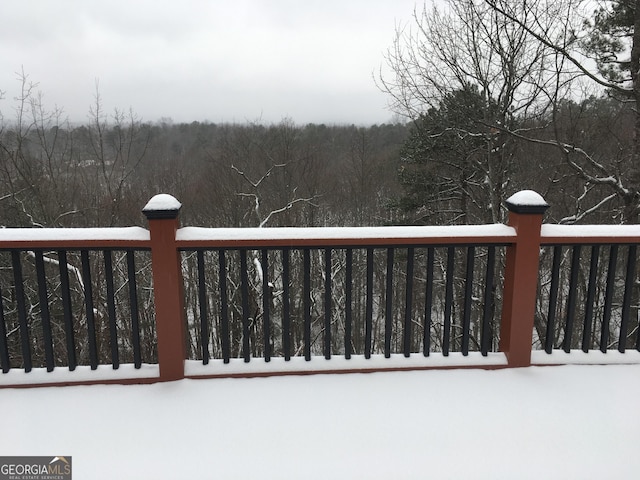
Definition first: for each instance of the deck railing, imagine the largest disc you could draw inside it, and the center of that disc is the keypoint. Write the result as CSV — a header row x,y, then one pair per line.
x,y
132,305
588,296
324,298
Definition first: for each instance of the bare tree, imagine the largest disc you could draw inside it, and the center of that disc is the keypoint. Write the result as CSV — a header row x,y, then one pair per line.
x,y
466,46
117,146
39,174
601,50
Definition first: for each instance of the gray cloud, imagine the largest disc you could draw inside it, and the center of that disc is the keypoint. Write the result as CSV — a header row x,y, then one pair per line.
x,y
204,60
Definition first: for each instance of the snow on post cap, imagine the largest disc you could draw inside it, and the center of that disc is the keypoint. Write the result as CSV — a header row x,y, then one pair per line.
x,y
161,206
527,201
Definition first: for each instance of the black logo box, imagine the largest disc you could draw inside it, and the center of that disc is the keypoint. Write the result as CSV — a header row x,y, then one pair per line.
x,y
35,468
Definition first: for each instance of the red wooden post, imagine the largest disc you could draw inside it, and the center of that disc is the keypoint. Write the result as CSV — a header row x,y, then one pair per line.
x,y
521,277
162,213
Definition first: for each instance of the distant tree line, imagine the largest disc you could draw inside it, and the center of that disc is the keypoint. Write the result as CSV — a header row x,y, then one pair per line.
x,y
448,166
55,174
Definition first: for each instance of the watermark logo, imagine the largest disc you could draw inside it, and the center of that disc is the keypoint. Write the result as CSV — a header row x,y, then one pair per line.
x,y
35,468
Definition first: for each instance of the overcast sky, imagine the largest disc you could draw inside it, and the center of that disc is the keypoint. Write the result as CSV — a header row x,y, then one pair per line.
x,y
215,60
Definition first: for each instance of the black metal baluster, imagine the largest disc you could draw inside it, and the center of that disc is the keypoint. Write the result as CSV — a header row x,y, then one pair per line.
x,y
487,313
626,301
408,301
591,293
368,326
88,305
4,351
307,302
571,300
388,311
133,304
446,341
224,307
111,309
468,291
22,310
244,292
66,307
608,298
202,303
553,298
286,304
348,310
388,315
266,300
44,311
428,304
327,303
638,339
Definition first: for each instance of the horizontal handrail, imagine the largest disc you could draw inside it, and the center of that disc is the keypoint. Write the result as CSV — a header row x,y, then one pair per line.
x,y
589,234
75,238
195,237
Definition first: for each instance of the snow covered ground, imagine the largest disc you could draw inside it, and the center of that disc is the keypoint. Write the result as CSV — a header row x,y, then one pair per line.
x,y
565,422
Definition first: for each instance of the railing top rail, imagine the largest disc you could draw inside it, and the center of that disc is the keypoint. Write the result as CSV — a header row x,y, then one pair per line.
x,y
195,237
115,237
589,234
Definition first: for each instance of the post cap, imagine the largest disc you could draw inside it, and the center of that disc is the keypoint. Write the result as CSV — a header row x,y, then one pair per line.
x,y
162,206
527,201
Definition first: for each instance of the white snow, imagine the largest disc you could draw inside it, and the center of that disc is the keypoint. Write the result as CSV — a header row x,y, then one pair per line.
x,y
527,198
578,357
565,422
317,364
628,232
82,373
259,272
344,233
162,201
73,234
338,362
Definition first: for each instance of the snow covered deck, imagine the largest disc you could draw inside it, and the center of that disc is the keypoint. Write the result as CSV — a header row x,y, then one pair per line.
x,y
552,423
